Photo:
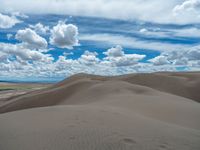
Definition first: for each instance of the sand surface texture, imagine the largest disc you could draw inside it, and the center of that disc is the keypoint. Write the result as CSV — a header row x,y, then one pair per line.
x,y
159,111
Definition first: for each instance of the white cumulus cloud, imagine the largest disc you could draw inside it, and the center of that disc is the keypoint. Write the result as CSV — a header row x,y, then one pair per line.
x,y
64,35
187,57
89,58
8,21
31,39
115,51
188,11
40,28
117,57
160,60
22,53
188,5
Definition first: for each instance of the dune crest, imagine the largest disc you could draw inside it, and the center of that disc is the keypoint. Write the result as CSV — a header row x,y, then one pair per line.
x,y
138,111
75,89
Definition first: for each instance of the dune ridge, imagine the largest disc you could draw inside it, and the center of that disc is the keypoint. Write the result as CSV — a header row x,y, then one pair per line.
x,y
158,111
181,84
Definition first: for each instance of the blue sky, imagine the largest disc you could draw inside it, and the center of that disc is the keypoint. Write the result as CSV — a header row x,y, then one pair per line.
x,y
53,43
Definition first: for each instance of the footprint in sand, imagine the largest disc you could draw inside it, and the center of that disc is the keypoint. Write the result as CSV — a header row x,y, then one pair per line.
x,y
163,146
129,141
72,125
72,138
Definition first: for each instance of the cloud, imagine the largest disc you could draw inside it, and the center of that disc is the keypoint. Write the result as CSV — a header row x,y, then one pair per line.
x,y
3,57
39,28
146,10
132,42
188,57
160,60
19,14
19,62
22,54
31,64
9,36
89,58
117,57
187,5
193,54
115,51
188,11
31,39
188,32
126,60
64,35
8,21
181,62
143,30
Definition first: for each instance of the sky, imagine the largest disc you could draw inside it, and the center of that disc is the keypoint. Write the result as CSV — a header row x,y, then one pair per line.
x,y
50,40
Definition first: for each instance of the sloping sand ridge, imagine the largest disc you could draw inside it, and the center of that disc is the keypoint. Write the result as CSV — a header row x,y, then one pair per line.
x,y
85,112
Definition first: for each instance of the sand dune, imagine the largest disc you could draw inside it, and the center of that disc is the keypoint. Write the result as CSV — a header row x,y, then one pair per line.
x,y
157,111
77,88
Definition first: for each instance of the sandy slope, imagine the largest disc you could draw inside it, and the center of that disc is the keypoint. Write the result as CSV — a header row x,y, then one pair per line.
x,y
144,111
11,90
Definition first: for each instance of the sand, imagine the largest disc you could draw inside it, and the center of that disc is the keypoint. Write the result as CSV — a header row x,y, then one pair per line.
x,y
157,111
11,90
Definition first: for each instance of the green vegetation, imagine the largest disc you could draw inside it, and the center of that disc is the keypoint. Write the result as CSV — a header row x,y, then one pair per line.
x,y
6,87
